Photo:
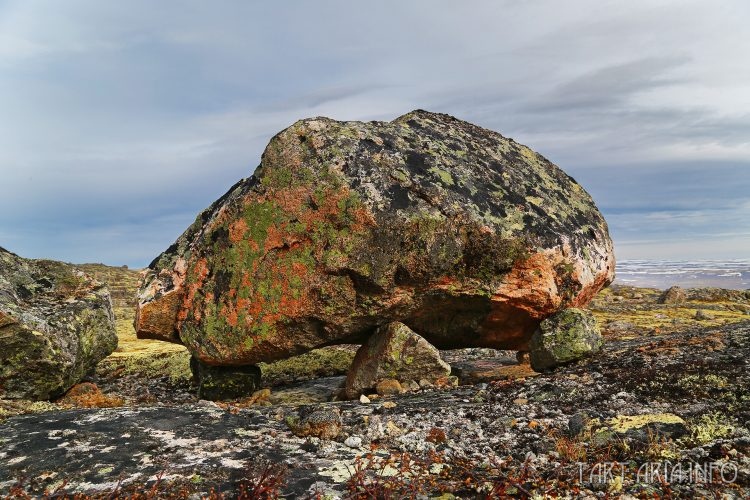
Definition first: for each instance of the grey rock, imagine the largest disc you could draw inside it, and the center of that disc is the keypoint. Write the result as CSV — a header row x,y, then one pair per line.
x,y
56,324
673,295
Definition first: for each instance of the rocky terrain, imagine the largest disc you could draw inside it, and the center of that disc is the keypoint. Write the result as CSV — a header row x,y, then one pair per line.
x,y
334,326
670,386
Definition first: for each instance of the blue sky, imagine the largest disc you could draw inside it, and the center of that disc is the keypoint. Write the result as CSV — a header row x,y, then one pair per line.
x,y
120,121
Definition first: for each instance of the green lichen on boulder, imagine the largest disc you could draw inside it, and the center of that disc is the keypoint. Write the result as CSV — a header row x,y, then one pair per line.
x,y
56,324
567,336
466,236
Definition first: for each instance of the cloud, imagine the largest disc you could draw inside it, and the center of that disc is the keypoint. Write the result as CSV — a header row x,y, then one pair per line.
x,y
122,120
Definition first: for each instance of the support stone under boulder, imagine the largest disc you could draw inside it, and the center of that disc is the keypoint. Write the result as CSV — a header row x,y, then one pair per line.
x,y
394,352
565,337
218,383
56,324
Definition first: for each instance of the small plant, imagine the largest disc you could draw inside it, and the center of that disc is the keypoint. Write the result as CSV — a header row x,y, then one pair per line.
x,y
708,428
264,481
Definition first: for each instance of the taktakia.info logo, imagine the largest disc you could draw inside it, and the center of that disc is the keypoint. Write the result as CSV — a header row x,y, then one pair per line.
x,y
658,472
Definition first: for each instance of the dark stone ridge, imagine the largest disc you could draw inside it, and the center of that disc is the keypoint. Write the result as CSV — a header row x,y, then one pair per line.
x,y
467,237
56,324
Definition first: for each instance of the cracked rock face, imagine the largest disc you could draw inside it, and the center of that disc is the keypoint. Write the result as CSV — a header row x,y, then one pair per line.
x,y
56,324
467,237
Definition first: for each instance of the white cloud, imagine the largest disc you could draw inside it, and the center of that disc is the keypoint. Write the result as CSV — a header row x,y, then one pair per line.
x,y
123,112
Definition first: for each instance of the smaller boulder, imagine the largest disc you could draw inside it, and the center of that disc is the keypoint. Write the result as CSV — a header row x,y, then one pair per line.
x,y
567,336
320,422
673,295
389,387
217,383
394,351
56,324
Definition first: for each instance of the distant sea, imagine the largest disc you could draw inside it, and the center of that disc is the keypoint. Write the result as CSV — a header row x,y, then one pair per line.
x,y
733,274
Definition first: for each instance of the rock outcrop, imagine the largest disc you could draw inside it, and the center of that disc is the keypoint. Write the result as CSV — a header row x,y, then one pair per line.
x,y
394,352
56,324
466,236
567,336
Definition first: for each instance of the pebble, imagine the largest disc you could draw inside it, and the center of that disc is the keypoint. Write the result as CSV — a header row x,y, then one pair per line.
x,y
364,399
353,441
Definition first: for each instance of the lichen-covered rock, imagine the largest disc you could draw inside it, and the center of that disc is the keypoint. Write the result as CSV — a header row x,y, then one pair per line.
x,y
56,324
567,336
321,422
394,351
467,237
218,383
673,295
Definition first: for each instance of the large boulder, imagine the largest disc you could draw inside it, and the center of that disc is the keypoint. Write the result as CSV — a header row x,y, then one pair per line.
x,y
467,237
56,324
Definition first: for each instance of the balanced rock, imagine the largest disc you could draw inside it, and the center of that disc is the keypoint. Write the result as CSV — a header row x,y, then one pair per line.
x,y
56,324
394,353
564,337
466,236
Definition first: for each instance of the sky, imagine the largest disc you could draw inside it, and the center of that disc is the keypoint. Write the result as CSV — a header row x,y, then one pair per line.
x,y
120,121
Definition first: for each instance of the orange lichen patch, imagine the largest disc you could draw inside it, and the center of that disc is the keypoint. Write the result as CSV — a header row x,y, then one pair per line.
x,y
237,230
714,341
533,290
6,320
276,237
447,282
230,314
198,274
530,286
291,200
88,395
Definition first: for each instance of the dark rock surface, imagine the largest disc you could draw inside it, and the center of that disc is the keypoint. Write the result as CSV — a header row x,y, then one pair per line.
x,y
224,382
465,236
56,324
682,395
